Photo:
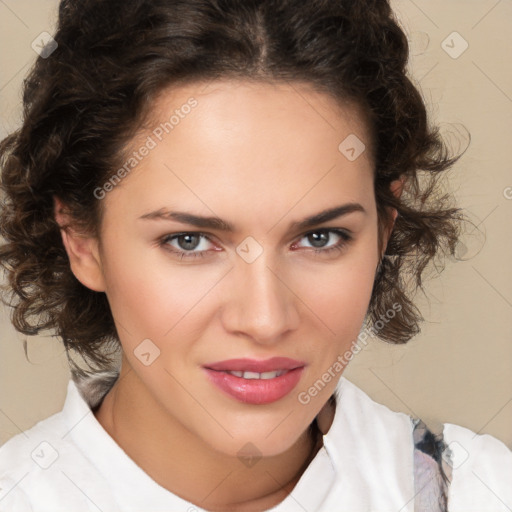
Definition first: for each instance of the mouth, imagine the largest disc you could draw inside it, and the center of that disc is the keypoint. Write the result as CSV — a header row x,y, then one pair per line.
x,y
255,375
256,382
246,365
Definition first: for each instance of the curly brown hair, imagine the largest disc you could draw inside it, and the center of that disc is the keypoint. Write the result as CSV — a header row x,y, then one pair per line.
x,y
86,101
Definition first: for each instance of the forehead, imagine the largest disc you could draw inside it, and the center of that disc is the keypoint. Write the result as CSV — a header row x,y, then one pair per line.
x,y
258,105
255,144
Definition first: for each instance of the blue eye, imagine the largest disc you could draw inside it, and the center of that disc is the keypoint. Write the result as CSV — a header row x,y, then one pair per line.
x,y
188,241
186,244
320,236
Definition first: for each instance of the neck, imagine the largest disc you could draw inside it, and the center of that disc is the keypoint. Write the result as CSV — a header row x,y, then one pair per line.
x,y
169,453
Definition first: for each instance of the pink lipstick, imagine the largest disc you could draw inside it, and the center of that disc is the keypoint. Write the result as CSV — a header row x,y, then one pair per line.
x,y
255,381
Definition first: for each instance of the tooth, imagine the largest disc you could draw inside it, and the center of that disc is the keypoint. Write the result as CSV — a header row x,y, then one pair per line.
x,y
251,375
256,375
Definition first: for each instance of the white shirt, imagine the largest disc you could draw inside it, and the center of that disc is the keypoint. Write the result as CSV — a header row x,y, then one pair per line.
x,y
69,463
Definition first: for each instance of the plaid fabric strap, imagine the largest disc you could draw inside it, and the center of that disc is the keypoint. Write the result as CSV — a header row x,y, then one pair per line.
x,y
432,470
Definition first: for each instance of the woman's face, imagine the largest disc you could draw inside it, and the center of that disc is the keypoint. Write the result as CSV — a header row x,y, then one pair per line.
x,y
261,159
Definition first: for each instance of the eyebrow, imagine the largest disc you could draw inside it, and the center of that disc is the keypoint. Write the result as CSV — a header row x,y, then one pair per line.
x,y
221,225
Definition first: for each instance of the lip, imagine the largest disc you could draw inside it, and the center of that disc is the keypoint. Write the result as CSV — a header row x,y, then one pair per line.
x,y
255,391
254,365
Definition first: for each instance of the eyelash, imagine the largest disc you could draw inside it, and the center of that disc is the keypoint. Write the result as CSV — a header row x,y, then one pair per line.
x,y
345,239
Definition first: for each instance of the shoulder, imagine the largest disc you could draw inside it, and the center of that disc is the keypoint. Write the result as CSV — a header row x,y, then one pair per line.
x,y
454,468
481,470
25,457
40,466
21,451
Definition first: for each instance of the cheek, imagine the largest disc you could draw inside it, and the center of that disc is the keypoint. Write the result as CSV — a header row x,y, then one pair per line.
x,y
150,294
339,293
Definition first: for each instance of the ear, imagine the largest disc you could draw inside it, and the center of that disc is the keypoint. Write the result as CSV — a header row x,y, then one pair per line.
x,y
396,187
82,250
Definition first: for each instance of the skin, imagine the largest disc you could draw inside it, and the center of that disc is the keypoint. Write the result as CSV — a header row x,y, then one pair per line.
x,y
259,156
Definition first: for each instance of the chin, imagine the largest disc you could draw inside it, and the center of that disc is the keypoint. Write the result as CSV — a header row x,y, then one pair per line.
x,y
256,443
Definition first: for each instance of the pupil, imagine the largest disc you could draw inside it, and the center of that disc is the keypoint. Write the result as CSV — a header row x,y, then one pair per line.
x,y
189,245
318,237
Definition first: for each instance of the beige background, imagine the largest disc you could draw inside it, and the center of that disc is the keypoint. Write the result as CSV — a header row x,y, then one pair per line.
x,y
458,370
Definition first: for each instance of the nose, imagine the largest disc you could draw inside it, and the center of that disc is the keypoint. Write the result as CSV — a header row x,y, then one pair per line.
x,y
263,306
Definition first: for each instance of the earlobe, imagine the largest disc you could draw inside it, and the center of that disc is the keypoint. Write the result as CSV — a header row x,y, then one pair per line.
x,y
82,251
